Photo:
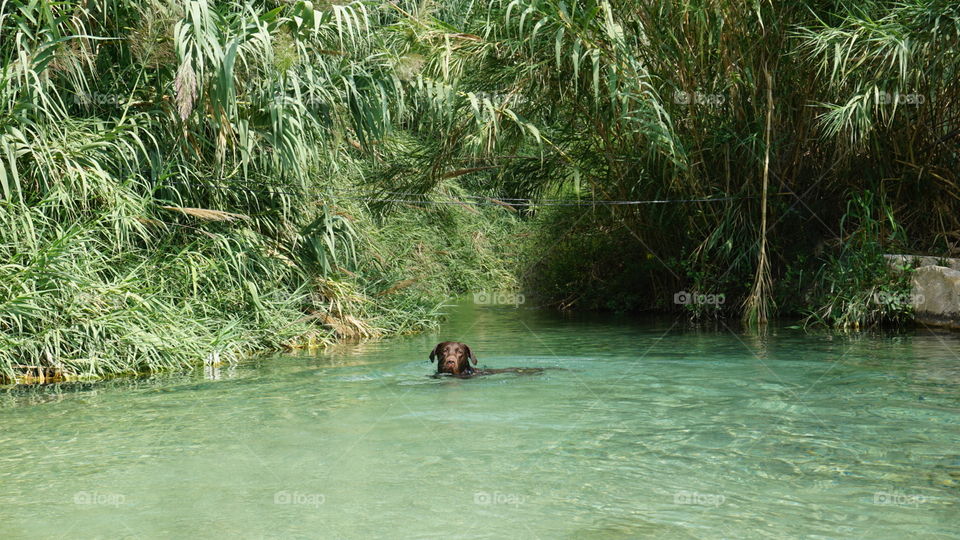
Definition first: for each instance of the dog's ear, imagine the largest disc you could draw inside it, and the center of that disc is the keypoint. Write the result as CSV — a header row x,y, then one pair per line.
x,y
435,352
470,355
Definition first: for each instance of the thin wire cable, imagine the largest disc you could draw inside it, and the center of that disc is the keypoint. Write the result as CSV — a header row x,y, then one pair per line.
x,y
528,199
230,186
488,201
415,194
538,203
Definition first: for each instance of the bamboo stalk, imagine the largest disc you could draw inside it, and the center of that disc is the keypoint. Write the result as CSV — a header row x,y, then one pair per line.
x,y
756,310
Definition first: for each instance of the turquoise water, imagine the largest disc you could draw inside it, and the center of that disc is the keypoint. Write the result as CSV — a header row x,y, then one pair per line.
x,y
650,429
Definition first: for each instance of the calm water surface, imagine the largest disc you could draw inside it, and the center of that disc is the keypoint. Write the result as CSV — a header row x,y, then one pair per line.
x,y
649,430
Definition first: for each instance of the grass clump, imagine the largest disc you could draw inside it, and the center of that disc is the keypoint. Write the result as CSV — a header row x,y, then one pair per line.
x,y
855,286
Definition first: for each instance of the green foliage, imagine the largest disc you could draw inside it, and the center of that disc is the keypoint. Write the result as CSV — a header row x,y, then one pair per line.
x,y
160,167
855,287
667,100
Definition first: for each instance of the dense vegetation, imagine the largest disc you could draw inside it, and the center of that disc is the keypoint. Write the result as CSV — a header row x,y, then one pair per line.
x,y
189,180
175,187
824,121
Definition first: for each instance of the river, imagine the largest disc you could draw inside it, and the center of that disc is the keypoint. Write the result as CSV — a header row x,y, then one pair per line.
x,y
636,428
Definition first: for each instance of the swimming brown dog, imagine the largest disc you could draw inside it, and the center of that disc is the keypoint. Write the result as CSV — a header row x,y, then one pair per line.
x,y
454,358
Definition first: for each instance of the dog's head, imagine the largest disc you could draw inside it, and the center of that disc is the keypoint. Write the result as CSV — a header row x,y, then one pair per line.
x,y
453,357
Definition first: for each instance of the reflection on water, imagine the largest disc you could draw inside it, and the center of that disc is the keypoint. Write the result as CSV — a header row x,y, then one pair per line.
x,y
650,429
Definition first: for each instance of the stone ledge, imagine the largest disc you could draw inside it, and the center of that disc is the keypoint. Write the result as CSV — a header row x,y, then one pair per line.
x,y
936,296
899,261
